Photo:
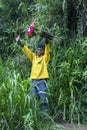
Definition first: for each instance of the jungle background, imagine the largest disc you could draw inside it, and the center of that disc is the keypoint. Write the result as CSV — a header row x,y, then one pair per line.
x,y
66,20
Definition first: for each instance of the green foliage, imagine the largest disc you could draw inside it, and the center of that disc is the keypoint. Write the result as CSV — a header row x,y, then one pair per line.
x,y
67,82
67,68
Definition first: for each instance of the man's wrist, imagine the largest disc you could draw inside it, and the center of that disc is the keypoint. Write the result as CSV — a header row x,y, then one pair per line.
x,y
47,41
20,43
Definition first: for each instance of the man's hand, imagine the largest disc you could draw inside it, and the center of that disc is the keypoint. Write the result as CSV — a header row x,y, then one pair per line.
x,y
17,39
46,35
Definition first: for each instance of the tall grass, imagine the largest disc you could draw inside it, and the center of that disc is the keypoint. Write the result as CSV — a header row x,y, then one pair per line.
x,y
17,105
67,82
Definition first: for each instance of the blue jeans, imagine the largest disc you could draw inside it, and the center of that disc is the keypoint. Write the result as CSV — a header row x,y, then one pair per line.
x,y
39,90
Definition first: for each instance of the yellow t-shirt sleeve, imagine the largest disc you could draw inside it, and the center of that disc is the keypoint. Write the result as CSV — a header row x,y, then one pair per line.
x,y
28,53
47,52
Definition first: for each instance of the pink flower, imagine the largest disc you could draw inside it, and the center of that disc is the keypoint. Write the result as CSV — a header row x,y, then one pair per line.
x,y
31,29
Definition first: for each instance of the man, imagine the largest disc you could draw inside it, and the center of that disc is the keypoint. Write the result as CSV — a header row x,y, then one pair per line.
x,y
39,72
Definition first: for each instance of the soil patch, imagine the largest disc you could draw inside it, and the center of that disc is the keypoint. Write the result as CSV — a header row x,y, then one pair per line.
x,y
75,127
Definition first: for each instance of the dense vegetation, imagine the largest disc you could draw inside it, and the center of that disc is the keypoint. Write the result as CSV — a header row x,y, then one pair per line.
x,y
66,20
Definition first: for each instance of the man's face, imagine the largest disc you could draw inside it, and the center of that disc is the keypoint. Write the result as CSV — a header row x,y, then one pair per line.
x,y
40,52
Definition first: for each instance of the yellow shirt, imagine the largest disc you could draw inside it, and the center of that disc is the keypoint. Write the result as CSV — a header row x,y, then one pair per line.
x,y
39,64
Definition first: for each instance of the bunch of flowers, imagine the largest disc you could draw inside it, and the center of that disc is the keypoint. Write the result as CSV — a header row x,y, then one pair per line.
x,y
34,30
31,29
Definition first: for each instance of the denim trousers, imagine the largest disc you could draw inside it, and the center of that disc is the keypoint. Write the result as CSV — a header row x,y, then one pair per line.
x,y
39,90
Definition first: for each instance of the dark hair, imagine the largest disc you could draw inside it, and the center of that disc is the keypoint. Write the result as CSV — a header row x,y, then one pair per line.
x,y
41,46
